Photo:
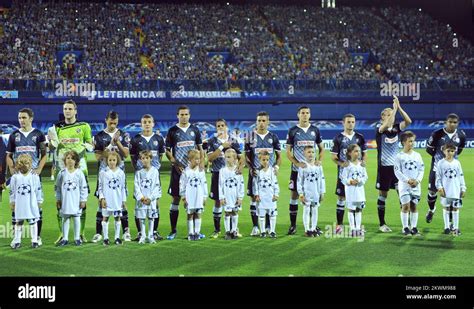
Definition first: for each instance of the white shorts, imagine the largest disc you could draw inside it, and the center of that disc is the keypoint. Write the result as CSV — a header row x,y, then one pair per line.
x,y
311,204
30,221
261,212
355,205
454,202
78,214
191,211
149,212
233,208
407,198
111,213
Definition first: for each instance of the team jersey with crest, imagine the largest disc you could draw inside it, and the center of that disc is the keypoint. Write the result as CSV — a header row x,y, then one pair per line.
x,y
439,138
340,144
409,166
103,141
113,188
387,144
299,138
180,141
154,143
71,189
28,143
258,143
311,182
231,186
72,137
213,144
354,193
450,177
26,193
266,187
193,186
147,184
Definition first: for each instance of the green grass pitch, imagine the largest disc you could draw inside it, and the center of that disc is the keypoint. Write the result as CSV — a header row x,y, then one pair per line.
x,y
378,254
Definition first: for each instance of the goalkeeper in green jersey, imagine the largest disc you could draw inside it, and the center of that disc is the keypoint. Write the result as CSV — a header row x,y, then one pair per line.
x,y
67,135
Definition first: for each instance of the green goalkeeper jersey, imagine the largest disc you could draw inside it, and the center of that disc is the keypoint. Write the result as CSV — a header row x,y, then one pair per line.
x,y
72,137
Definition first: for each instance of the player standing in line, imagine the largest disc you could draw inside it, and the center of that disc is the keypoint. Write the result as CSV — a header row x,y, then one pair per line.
x,y
71,135
451,187
111,139
386,135
112,194
266,192
147,193
3,163
300,136
26,198
409,169
260,140
338,152
354,177
231,192
217,146
147,140
449,134
71,196
193,192
30,141
311,187
181,138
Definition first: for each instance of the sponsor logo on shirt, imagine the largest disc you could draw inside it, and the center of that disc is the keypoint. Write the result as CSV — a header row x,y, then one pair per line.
x,y
391,140
258,150
185,144
70,140
305,143
25,148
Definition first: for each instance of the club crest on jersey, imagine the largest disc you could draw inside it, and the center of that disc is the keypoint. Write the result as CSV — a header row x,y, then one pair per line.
x,y
313,133
33,139
191,133
78,130
17,137
155,143
270,141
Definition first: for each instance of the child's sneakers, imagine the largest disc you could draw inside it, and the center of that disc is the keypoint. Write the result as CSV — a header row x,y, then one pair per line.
x,y
62,243
273,235
414,232
34,245
15,246
78,242
118,241
142,241
151,240
96,238
106,242
228,236
406,231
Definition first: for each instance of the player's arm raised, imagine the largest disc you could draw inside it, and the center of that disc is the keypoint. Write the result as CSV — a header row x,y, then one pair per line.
x,y
406,119
389,121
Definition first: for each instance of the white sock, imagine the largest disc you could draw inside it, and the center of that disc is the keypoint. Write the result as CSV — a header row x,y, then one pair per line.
x,y
227,223
235,221
273,220
413,219
306,217
456,220
404,217
314,218
261,222
142,229
118,224
105,229
66,228
77,228
151,221
350,215
17,238
358,220
34,232
197,226
446,218
190,226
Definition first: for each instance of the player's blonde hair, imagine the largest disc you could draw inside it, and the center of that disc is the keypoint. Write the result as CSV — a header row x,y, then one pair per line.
x,y
193,153
108,154
385,110
22,161
74,156
232,151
